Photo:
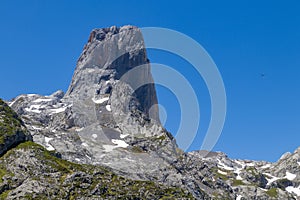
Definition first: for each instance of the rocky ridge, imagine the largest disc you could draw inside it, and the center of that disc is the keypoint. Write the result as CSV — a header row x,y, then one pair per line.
x,y
105,120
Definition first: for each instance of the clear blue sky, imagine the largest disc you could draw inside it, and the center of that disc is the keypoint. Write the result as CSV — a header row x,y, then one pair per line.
x,y
41,41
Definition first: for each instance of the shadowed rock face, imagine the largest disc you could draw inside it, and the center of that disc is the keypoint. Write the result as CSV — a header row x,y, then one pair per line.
x,y
107,59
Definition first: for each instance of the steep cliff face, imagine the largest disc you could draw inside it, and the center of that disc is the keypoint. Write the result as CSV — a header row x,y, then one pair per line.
x,y
109,118
103,70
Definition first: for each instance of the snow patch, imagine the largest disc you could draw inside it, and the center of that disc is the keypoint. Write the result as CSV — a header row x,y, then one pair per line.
x,y
85,144
41,100
290,176
119,143
222,165
122,136
49,147
34,109
79,129
108,108
99,101
58,110
94,136
47,139
272,179
77,159
292,189
266,166
239,197
221,172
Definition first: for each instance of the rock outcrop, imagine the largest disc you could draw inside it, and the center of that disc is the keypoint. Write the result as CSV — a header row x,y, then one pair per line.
x,y
108,124
29,171
12,129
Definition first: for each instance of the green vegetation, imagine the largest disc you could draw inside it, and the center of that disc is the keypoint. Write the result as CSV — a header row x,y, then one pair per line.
x,y
3,195
222,176
252,170
10,123
137,149
67,180
237,182
272,192
2,173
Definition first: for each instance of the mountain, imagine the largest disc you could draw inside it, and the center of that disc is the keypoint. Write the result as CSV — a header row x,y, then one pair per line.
x,y
103,139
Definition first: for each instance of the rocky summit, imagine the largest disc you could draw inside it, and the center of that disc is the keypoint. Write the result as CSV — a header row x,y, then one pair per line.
x,y
103,139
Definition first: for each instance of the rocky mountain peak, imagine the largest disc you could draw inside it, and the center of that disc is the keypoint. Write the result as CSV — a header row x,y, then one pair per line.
x,y
105,114
104,69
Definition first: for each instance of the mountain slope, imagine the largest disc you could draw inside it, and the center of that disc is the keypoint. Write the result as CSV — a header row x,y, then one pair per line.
x,y
29,171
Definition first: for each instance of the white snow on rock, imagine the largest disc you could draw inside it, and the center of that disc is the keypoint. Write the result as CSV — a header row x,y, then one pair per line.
x,y
266,166
85,144
239,169
49,146
222,165
94,135
294,190
298,163
108,108
122,136
34,108
272,179
118,143
58,110
221,172
99,101
12,103
41,100
290,176
31,95
79,129
77,159
239,197
47,139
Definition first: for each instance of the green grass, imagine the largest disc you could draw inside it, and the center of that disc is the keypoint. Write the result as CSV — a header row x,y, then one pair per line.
x,y
237,182
3,195
272,192
2,173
